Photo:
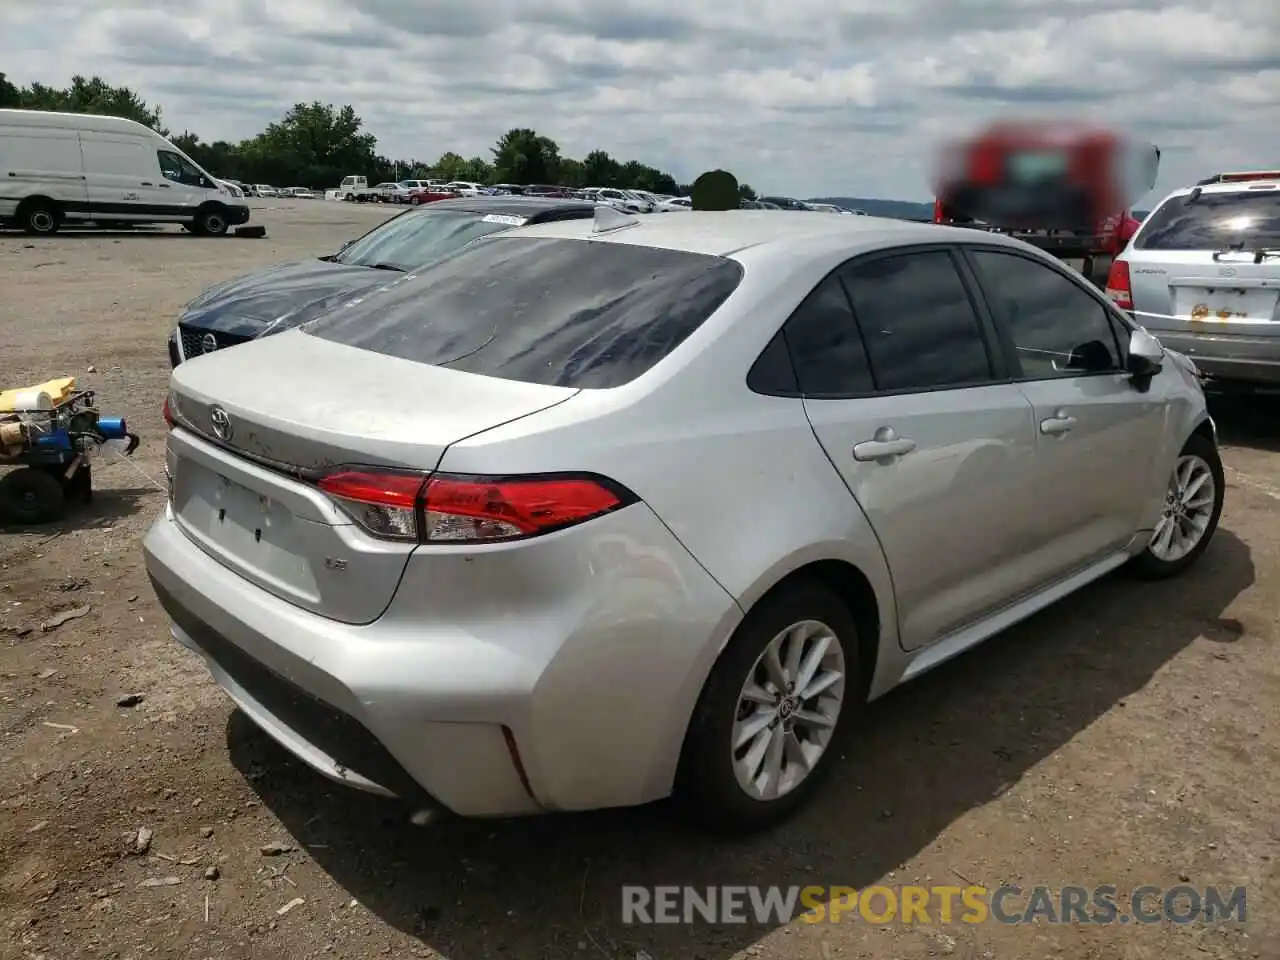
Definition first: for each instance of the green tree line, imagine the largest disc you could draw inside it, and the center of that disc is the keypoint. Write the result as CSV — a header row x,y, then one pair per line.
x,y
317,144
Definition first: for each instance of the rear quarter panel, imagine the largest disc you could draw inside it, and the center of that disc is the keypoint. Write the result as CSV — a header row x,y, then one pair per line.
x,y
738,478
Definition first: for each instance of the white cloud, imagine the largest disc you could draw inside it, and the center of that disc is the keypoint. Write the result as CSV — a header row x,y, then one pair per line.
x,y
808,97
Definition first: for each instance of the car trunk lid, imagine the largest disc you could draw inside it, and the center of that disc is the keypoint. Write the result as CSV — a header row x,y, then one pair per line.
x,y
257,426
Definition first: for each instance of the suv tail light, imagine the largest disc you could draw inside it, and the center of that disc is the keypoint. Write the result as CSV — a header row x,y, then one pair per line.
x,y
1119,288
445,508
168,414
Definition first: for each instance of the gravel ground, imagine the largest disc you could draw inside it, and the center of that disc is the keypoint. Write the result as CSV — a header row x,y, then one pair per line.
x,y
1126,736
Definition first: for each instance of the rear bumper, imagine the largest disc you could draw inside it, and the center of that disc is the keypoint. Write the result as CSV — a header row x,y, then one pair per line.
x,y
1228,356
593,688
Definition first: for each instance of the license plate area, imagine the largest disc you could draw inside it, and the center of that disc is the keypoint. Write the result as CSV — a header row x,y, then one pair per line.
x,y
1215,305
250,532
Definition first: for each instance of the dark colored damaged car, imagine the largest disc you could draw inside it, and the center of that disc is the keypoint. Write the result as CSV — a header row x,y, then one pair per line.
x,y
289,294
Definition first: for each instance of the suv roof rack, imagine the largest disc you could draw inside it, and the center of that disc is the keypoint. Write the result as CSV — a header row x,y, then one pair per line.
x,y
1241,176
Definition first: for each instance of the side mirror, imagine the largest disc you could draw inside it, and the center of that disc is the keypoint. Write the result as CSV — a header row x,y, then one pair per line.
x,y
1146,354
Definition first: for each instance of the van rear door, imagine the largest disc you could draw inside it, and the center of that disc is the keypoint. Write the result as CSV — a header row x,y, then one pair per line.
x,y
40,161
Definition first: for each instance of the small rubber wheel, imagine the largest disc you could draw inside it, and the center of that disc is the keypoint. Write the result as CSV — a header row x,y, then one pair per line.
x,y
30,495
771,713
40,218
1192,508
211,222
414,201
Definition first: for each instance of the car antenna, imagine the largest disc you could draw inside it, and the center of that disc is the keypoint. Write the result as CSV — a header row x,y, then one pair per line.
x,y
608,218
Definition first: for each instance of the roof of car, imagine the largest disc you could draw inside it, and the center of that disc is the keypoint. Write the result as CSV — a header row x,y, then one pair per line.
x,y
720,233
513,206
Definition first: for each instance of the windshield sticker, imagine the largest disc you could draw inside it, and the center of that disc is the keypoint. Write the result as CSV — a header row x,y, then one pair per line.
x,y
503,218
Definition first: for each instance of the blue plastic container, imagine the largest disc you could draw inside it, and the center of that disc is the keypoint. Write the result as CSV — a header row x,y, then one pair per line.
x,y
113,428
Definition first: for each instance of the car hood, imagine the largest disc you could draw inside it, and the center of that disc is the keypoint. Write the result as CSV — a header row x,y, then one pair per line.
x,y
281,297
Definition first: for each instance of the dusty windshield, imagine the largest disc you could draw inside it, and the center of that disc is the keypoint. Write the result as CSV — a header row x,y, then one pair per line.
x,y
1214,221
418,238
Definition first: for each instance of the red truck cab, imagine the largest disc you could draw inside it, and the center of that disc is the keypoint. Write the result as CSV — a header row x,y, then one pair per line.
x,y
1073,183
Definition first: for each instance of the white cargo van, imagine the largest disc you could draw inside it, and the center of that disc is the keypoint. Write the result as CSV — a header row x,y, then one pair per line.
x,y
58,168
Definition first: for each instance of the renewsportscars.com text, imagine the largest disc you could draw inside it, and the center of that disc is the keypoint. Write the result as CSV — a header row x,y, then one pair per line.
x,y
972,904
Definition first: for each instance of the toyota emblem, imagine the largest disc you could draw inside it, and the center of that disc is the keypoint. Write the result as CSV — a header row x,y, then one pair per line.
x,y
220,420
208,343
1226,271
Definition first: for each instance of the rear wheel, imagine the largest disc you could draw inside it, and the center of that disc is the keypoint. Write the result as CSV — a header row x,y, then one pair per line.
x,y
1192,508
31,495
40,217
761,735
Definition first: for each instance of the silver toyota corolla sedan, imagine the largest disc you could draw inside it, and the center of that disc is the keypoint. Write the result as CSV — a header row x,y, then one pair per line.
x,y
591,514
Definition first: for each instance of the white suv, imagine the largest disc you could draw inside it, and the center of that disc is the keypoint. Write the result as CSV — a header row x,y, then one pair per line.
x,y
1202,273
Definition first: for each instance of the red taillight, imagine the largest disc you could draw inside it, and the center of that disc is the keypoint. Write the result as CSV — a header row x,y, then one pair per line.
x,y
1118,287
384,502
168,413
467,509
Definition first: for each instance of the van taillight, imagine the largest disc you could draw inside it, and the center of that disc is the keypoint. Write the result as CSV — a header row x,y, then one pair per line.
x,y
445,508
168,414
1118,287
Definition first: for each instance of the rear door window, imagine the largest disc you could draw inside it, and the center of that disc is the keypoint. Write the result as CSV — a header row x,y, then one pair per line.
x,y
1246,220
921,330
566,313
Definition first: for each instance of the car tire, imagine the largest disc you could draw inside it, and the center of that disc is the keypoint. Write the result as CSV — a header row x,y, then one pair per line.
x,y
31,495
211,222
1188,508
40,217
712,781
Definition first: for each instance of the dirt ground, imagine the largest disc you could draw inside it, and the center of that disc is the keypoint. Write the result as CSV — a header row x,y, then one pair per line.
x,y
1127,736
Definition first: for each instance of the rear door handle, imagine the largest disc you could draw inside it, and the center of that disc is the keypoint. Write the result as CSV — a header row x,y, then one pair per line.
x,y
885,449
1058,424
146,183
165,185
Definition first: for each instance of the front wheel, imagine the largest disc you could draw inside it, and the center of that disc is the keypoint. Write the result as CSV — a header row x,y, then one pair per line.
x,y
763,729
211,222
1192,508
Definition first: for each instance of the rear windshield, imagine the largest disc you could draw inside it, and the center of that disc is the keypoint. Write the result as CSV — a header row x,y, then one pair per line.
x,y
565,313
1214,221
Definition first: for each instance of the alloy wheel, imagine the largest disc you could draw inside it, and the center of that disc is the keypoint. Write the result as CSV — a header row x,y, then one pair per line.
x,y
787,710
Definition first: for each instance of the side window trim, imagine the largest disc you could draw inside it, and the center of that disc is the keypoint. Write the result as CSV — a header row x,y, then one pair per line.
x,y
1005,336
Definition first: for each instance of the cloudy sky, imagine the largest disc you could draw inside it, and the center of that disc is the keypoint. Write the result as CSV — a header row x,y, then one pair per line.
x,y
802,97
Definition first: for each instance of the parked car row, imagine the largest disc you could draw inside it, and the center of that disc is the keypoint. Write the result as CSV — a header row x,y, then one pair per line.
x,y
519,504
267,191
417,192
